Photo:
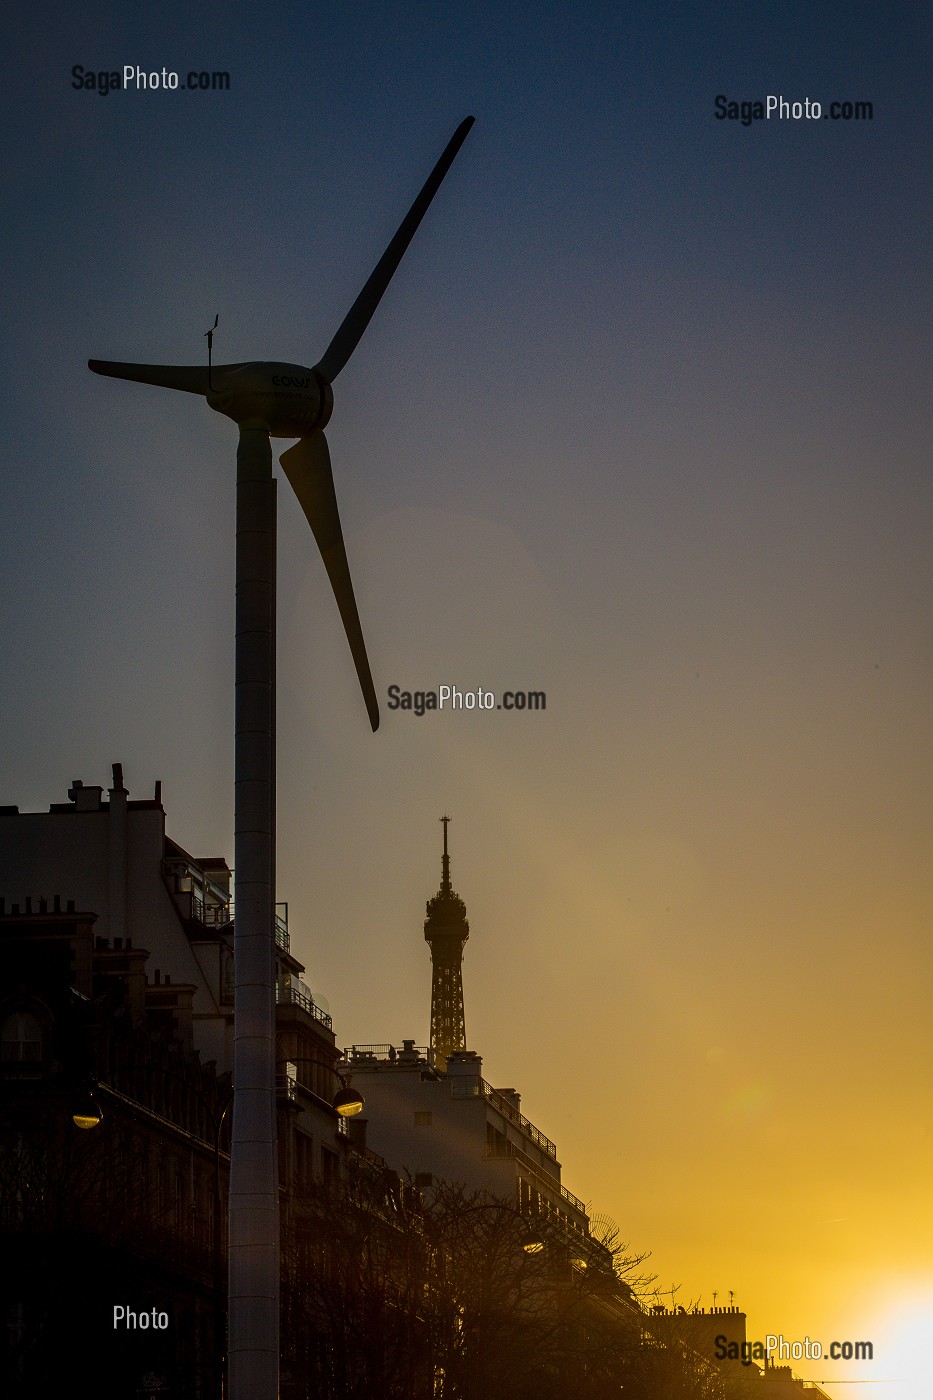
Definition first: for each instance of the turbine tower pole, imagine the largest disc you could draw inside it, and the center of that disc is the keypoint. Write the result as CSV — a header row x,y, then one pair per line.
x,y
291,401
253,1316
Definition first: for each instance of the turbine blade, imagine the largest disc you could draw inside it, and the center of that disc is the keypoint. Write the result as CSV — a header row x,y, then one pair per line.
x,y
360,314
307,466
192,378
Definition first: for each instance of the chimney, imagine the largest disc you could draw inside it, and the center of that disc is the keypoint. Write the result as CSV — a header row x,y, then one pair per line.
x,y
117,855
465,1068
86,799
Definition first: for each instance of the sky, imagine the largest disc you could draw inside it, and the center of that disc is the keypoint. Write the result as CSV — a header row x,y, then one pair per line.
x,y
643,422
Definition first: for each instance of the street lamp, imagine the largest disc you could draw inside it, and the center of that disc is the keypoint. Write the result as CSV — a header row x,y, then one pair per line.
x,y
347,1102
533,1244
89,1115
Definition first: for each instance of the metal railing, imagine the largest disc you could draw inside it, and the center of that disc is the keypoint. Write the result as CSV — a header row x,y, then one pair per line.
x,y
390,1053
286,1086
294,996
460,1087
281,924
508,1149
219,915
213,915
473,1088
573,1200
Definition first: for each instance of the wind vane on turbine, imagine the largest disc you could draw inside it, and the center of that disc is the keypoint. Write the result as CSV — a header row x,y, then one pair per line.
x,y
210,346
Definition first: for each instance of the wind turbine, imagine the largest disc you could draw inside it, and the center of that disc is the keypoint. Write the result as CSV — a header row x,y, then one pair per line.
x,y
279,400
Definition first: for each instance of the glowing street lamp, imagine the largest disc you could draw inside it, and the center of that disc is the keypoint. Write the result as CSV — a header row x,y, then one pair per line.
x,y
89,1115
347,1102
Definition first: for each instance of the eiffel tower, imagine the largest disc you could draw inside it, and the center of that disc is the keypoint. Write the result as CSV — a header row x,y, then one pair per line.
x,y
446,931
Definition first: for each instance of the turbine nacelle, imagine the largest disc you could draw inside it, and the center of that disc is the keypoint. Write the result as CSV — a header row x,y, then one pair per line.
x,y
290,399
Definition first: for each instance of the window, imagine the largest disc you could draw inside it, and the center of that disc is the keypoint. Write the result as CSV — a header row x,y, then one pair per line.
x,y
422,1118
304,1159
22,1039
329,1168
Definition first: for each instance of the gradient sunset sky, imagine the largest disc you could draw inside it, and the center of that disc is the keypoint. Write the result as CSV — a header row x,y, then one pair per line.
x,y
643,422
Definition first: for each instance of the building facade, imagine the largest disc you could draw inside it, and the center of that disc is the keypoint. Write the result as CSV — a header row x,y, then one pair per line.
x,y
453,1125
116,1012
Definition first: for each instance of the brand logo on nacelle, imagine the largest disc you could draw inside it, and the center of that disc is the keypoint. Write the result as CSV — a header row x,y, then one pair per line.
x,y
287,381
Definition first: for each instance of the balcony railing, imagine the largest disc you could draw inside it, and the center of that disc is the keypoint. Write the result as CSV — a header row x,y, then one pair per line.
x,y
194,906
212,915
286,1086
295,997
572,1199
508,1149
390,1054
505,1148
281,924
472,1088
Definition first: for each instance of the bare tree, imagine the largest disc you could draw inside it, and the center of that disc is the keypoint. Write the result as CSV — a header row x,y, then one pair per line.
x,y
448,1294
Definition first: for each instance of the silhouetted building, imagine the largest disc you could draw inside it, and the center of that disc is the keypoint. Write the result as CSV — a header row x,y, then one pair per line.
x,y
127,1211
780,1383
455,1126
446,931
713,1336
160,913
717,1336
116,1005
